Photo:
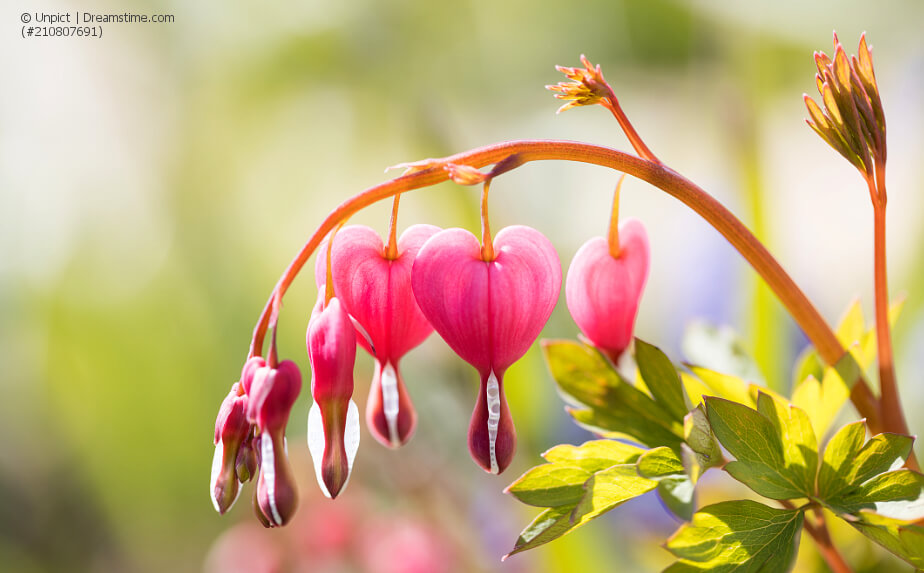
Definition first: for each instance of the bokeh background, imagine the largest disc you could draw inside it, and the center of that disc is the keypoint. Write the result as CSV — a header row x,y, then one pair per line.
x,y
154,184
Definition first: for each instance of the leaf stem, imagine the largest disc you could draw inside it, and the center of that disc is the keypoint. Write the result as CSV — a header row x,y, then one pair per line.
x,y
657,174
822,538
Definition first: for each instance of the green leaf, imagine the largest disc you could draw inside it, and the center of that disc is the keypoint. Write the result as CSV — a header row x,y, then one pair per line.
x,y
821,400
852,326
800,449
833,477
550,485
594,455
702,451
724,385
548,526
674,485
578,484
605,402
658,463
719,348
661,378
855,476
900,537
677,493
808,364
561,481
740,536
605,490
758,449
609,488
898,494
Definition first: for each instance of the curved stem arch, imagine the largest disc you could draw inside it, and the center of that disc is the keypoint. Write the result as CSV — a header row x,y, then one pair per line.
x,y
431,171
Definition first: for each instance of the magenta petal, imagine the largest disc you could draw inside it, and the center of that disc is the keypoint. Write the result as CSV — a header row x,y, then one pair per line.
x,y
603,293
390,415
488,312
492,439
377,291
331,344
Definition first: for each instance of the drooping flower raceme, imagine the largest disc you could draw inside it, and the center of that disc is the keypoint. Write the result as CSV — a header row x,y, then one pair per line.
x,y
333,421
376,291
603,292
272,393
489,312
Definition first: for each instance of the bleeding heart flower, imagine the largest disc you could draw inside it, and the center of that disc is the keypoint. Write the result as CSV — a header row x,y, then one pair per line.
x,y
489,312
231,430
272,393
603,292
376,292
333,421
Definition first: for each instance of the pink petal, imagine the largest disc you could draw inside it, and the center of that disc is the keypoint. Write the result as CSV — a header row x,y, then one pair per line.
x,y
377,291
603,293
488,312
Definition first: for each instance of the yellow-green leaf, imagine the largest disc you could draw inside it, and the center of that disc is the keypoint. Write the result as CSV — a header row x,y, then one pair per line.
x,y
743,536
594,455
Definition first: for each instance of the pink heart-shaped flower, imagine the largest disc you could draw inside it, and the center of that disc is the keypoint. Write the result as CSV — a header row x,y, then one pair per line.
x,y
489,312
376,292
603,292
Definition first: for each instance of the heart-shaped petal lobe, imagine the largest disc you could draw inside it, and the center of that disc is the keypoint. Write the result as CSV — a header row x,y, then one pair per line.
x,y
489,312
603,292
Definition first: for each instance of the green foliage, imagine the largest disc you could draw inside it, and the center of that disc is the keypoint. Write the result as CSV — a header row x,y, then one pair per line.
x,y
769,461
855,476
578,484
606,404
684,419
900,537
737,536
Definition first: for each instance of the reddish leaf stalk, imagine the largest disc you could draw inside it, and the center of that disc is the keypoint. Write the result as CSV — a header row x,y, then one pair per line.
x,y
657,174
612,238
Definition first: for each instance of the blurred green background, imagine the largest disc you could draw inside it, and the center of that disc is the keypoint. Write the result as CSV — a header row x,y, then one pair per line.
x,y
155,182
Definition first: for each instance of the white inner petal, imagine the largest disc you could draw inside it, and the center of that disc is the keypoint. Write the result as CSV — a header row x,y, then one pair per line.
x,y
216,471
492,395
268,469
351,439
316,443
390,402
362,332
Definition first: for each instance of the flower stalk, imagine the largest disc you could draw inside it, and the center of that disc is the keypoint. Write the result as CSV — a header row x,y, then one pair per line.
x,y
431,172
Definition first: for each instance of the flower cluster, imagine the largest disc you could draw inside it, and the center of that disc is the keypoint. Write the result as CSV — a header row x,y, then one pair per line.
x,y
488,304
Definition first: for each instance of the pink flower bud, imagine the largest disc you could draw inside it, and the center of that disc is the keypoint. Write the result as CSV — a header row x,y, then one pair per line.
x,y
249,370
274,391
489,313
376,292
333,421
603,292
231,428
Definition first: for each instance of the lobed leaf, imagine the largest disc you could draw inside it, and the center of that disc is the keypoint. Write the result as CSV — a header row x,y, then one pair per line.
x,y
904,539
758,449
739,535
607,404
578,484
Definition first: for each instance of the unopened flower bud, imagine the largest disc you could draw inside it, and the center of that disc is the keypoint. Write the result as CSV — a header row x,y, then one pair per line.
x,y
603,292
276,389
333,421
231,429
489,312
